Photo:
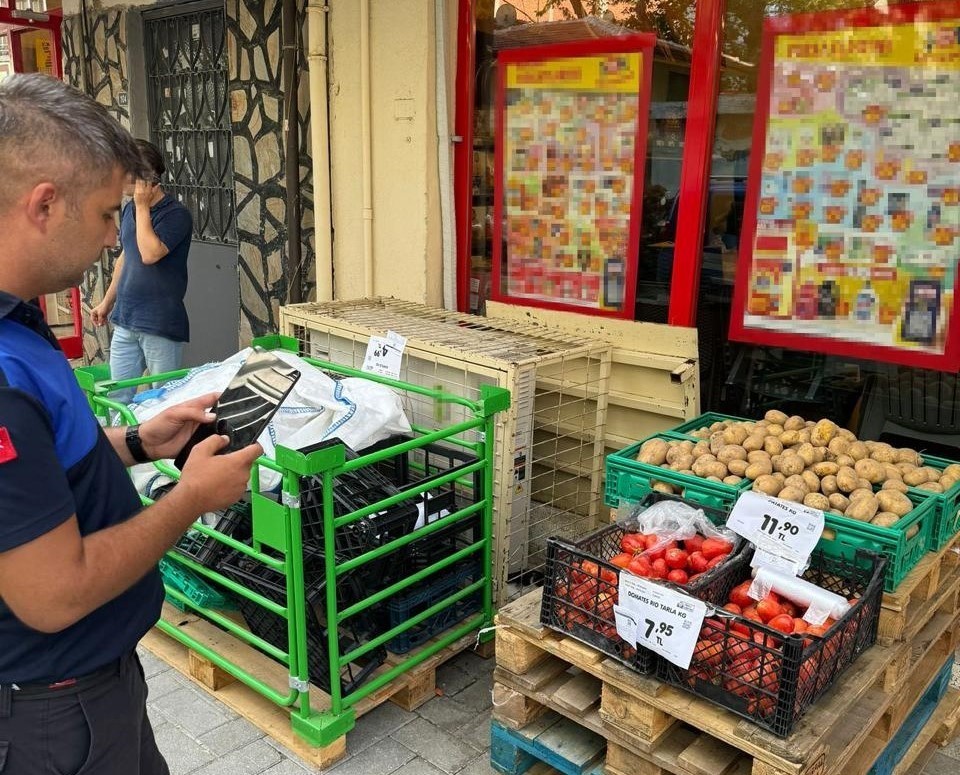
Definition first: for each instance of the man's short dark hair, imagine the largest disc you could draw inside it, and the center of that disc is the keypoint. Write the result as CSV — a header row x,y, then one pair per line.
x,y
51,131
153,163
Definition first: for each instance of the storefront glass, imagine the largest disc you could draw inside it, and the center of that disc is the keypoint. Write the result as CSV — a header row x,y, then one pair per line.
x,y
743,379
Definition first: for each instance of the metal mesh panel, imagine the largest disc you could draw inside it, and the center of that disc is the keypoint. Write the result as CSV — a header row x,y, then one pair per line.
x,y
549,446
190,115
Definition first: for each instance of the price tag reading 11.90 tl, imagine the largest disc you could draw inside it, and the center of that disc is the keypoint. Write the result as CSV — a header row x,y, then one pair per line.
x,y
667,621
780,528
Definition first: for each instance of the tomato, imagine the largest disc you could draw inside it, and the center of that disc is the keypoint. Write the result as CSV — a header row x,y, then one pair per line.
x,y
713,563
740,628
800,625
733,608
640,566
739,595
621,560
750,612
585,569
789,608
605,603
693,544
767,609
609,576
678,576
709,652
714,547
783,623
676,558
632,543
697,562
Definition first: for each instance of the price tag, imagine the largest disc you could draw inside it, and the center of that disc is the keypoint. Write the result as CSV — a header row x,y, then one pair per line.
x,y
667,621
780,528
626,625
384,355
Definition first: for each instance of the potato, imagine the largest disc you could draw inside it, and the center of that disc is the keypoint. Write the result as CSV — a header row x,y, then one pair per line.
x,y
862,509
775,430
732,480
811,480
795,423
870,470
844,460
858,450
794,494
891,472
823,433
710,468
775,417
916,477
884,453
838,446
779,477
754,442
789,438
816,501
716,479
861,493
730,452
758,456
933,475
839,502
885,519
737,467
896,485
952,470
864,484
825,469
911,531
829,534
796,480
804,436
772,446
701,448
906,467
894,502
931,486
828,485
653,452
716,441
847,480
679,450
907,455
756,470
735,434
682,463
807,453
790,464
666,489
946,482
767,484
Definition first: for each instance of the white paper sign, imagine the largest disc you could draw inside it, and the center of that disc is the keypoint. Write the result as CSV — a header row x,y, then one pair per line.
x,y
384,355
781,528
668,622
626,625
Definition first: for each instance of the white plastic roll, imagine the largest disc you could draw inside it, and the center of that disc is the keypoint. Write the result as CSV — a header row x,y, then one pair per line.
x,y
820,602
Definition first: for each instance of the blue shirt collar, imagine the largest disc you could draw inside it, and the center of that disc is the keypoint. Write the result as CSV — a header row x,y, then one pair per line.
x,y
26,314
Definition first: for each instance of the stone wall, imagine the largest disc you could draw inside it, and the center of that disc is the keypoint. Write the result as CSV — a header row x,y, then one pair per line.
x,y
256,99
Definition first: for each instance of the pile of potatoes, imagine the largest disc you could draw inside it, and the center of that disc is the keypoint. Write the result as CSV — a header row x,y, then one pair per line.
x,y
815,463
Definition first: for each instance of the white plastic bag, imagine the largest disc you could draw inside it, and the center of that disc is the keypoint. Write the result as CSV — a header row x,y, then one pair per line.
x,y
671,520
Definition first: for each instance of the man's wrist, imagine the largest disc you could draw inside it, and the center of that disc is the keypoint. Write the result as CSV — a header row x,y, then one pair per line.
x,y
135,445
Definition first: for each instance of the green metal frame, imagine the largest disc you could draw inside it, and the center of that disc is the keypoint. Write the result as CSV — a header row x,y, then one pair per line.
x,y
277,526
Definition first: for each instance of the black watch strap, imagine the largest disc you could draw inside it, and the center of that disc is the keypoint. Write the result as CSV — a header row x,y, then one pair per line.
x,y
135,444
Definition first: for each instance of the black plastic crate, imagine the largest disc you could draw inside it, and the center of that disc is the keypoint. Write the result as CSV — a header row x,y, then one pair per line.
x,y
580,603
440,585
259,578
234,522
771,678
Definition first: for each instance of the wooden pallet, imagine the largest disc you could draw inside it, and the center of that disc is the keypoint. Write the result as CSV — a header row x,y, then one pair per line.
x,y
936,577
553,740
409,690
655,729
939,730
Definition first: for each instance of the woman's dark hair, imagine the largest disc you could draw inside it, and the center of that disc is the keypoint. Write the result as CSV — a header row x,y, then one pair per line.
x,y
152,159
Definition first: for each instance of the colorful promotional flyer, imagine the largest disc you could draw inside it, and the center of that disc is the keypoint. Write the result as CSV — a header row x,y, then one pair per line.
x,y
852,223
572,142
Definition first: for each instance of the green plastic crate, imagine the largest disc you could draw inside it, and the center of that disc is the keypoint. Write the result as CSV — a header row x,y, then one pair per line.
x,y
191,586
704,421
629,479
903,553
948,507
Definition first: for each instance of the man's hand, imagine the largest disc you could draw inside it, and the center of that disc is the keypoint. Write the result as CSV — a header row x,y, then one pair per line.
x,y
100,313
143,193
166,434
210,481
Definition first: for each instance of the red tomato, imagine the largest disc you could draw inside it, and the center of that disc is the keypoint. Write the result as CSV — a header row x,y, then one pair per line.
x,y
621,560
767,609
733,608
632,543
739,595
740,628
640,566
697,562
788,608
714,562
609,576
783,623
660,569
678,576
693,544
708,652
800,625
714,547
750,612
676,558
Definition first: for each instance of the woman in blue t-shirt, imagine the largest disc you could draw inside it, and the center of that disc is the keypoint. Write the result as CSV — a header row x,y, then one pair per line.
x,y
145,299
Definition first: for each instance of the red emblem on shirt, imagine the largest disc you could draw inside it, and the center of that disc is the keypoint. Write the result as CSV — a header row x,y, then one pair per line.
x,y
7,450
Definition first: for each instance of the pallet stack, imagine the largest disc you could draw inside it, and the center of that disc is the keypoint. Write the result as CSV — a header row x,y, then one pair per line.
x,y
559,702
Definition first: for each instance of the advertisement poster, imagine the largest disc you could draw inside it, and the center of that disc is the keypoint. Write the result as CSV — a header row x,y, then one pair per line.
x,y
852,223
571,124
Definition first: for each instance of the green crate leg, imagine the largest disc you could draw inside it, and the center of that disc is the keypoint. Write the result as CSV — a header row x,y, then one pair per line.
x,y
323,729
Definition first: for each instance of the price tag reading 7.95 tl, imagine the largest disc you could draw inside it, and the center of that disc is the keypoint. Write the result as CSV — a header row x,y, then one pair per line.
x,y
782,528
667,621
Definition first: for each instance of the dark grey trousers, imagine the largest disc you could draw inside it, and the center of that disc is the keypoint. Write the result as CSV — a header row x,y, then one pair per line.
x,y
98,727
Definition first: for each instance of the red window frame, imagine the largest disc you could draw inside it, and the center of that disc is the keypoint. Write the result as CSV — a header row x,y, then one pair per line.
x,y
53,23
695,170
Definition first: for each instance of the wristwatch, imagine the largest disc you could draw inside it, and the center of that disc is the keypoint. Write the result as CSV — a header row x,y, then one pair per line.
x,y
135,444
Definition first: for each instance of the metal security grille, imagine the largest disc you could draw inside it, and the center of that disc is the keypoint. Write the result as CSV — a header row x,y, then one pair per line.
x,y
190,112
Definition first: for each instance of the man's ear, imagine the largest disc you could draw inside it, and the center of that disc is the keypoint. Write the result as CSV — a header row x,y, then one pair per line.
x,y
40,203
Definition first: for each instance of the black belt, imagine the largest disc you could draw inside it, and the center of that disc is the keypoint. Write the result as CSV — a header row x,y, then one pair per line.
x,y
69,685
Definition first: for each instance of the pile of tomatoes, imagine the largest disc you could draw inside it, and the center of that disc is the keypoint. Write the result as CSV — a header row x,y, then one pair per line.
x,y
680,562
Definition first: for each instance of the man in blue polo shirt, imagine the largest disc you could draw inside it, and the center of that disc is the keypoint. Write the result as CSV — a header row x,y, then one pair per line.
x,y
145,298
78,554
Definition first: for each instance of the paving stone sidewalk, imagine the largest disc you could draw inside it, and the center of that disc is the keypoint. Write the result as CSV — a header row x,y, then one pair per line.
x,y
449,735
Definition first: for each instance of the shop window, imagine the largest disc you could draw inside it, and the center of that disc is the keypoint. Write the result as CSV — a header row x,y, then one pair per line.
x,y
879,400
